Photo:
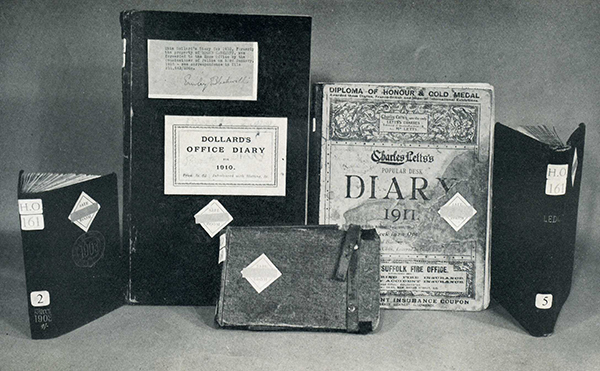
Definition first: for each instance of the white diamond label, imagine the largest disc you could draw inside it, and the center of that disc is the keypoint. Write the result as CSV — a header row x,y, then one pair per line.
x,y
261,273
213,218
84,212
457,211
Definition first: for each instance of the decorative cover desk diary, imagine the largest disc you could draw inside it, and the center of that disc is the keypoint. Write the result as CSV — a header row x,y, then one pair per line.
x,y
413,161
537,179
74,268
215,133
309,277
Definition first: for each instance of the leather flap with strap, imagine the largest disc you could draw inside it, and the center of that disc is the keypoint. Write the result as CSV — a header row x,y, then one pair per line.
x,y
346,271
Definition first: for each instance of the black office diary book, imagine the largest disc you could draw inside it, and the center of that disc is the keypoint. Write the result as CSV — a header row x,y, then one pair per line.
x,y
536,187
215,111
74,268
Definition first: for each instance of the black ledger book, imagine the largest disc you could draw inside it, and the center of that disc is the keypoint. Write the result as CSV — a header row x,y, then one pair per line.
x,y
536,186
215,113
74,268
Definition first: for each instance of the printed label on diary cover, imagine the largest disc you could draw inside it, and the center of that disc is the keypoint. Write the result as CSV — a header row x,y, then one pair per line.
x,y
225,155
223,70
31,214
543,301
261,273
213,217
84,212
31,206
400,122
556,179
39,298
413,161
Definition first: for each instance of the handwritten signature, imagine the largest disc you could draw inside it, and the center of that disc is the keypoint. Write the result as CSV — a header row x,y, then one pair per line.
x,y
188,80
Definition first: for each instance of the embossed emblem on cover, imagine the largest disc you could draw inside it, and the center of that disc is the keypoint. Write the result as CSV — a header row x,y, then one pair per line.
x,y
457,211
88,249
261,273
213,218
84,212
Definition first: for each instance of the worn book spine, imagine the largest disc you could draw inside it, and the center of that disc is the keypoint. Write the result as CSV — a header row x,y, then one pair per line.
x,y
126,82
314,154
536,195
413,161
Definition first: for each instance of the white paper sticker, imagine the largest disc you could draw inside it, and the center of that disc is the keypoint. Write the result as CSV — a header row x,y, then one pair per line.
x,y
223,70
207,155
574,167
543,301
556,179
261,273
222,247
32,222
222,255
457,211
31,206
124,52
84,212
39,298
213,218
32,217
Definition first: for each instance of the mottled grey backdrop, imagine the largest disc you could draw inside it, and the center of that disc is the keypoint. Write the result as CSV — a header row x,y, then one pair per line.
x,y
60,111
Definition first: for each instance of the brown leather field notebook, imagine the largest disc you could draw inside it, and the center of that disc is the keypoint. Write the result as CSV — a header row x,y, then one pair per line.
x,y
312,278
